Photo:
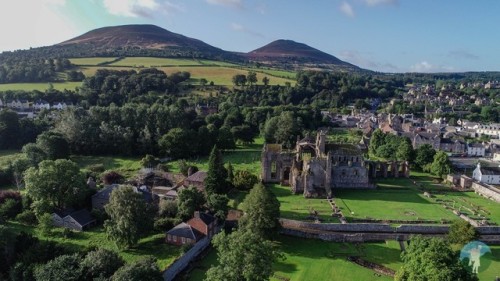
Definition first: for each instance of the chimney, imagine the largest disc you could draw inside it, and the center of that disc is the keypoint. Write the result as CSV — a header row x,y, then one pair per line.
x,y
196,214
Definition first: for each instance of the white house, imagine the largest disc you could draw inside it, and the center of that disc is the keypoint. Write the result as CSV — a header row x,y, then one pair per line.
x,y
489,175
60,105
476,149
490,130
41,104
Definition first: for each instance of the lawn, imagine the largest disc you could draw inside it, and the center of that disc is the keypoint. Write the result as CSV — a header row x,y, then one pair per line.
x,y
493,270
296,207
39,86
153,245
126,166
244,157
394,199
318,260
91,61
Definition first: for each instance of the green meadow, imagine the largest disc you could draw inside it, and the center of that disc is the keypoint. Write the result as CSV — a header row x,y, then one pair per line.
x,y
39,86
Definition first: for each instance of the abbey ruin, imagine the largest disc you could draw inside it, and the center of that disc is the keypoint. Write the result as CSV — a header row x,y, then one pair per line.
x,y
315,167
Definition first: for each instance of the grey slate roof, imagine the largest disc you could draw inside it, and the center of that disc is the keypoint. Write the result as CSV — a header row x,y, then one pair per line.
x,y
82,217
185,230
197,177
105,193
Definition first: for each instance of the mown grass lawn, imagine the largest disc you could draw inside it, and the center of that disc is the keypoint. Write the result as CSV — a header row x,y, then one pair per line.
x,y
296,207
153,245
244,157
393,199
311,260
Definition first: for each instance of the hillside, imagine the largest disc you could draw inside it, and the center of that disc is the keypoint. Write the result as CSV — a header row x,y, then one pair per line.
x,y
292,53
142,36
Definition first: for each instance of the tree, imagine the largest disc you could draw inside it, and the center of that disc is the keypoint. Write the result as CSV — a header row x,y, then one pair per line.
x,y
265,81
239,80
242,255
190,200
178,143
404,150
45,224
244,180
262,212
217,203
18,167
54,145
462,232
149,161
129,217
142,270
376,141
441,164
57,184
101,264
252,77
34,154
431,259
215,182
9,129
65,267
424,155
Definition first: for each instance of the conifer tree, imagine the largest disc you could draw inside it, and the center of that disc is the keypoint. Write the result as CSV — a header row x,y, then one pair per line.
x,y
216,180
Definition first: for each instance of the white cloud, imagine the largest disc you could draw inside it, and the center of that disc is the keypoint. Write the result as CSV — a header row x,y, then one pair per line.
x,y
381,2
228,3
240,28
366,60
425,66
138,8
43,23
347,9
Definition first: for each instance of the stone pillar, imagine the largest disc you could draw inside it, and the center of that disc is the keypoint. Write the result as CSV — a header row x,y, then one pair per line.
x,y
384,169
396,169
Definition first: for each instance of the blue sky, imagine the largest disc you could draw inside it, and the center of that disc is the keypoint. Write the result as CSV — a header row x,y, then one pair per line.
x,y
383,35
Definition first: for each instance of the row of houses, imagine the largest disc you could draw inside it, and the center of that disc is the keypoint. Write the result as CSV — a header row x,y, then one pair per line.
x,y
25,105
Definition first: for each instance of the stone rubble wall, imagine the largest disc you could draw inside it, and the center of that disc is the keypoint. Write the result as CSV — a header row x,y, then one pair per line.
x,y
487,191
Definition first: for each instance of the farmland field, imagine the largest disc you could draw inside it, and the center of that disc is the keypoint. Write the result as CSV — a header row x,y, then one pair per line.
x,y
154,62
39,86
91,61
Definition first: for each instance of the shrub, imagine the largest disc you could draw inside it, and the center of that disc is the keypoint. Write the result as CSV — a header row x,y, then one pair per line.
x,y
112,177
10,208
164,224
27,217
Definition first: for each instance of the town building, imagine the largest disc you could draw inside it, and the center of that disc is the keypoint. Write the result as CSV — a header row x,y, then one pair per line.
x,y
488,175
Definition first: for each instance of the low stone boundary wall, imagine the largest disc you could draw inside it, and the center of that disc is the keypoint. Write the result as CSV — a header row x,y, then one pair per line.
x,y
487,191
180,264
373,266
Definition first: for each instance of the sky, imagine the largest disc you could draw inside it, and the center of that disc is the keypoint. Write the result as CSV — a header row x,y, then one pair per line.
x,y
380,35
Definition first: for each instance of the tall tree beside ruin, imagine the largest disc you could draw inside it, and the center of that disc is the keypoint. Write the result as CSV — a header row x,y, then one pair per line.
x,y
262,212
215,182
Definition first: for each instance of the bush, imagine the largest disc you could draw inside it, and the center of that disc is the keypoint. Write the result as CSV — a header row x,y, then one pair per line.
x,y
27,217
244,180
67,233
96,168
45,224
185,248
10,208
164,224
7,194
112,177
99,215
168,208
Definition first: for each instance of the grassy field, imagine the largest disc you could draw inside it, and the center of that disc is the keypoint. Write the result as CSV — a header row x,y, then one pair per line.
x,y
91,61
153,245
318,260
39,86
244,157
297,207
127,166
155,62
390,202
